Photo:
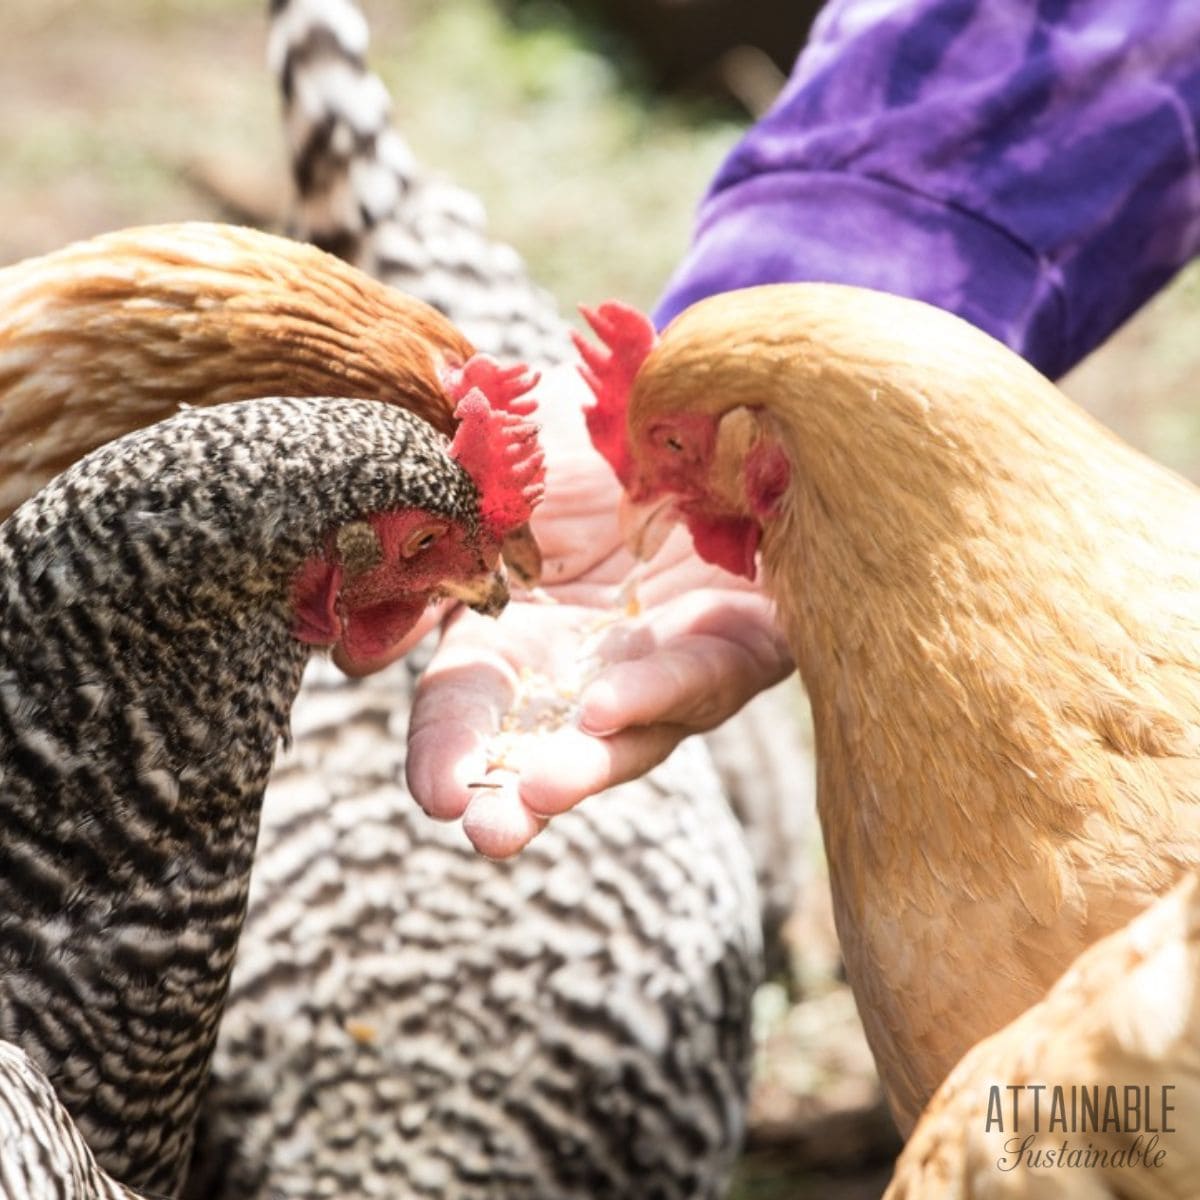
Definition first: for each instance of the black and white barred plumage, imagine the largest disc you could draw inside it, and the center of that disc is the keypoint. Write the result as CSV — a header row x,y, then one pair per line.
x,y
147,670
361,195
42,1154
408,1019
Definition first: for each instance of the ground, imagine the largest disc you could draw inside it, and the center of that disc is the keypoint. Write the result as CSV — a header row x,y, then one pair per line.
x,y
120,112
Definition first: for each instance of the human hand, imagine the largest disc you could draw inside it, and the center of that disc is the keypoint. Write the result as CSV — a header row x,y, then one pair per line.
x,y
518,719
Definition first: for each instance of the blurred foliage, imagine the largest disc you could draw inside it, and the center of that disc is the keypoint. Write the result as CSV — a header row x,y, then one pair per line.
x,y
595,183
683,45
1145,381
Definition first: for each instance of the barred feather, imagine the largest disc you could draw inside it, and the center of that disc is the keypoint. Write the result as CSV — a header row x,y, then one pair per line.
x,y
408,1018
362,195
42,1156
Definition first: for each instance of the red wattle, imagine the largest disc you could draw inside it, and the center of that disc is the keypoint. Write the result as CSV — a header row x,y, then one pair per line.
x,y
730,543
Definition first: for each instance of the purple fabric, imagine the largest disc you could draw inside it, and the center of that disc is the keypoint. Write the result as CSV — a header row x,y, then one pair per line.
x,y
1029,164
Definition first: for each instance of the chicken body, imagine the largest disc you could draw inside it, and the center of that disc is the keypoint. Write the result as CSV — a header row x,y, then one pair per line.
x,y
148,663
1127,1013
995,607
408,1018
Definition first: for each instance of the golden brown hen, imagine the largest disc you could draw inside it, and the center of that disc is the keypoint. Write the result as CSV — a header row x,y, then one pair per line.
x,y
115,333
1092,1093
994,603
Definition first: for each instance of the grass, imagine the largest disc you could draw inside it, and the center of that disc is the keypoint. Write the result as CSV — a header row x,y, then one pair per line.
x,y
594,183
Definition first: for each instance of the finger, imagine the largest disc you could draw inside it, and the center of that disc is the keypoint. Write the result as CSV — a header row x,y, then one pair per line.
x,y
498,823
570,765
441,765
697,682
457,709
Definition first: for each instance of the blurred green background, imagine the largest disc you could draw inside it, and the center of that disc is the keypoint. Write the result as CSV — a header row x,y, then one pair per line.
x,y
591,144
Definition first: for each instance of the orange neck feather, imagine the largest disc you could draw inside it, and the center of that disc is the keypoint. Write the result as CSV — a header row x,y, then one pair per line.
x,y
116,333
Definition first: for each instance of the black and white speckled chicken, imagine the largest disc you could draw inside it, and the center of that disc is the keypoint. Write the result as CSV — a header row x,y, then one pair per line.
x,y
159,601
406,1017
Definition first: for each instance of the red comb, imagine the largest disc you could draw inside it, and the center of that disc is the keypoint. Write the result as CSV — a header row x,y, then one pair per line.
x,y
505,388
501,453
609,370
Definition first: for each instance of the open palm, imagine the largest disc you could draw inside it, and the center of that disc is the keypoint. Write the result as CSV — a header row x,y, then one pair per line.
x,y
573,691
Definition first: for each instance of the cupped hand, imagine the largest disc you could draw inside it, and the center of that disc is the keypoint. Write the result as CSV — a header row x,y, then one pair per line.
x,y
593,680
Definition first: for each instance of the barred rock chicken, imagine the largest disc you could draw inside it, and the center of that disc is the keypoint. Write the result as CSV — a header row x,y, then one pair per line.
x,y
407,1017
161,598
362,195
994,604
116,332
1125,1013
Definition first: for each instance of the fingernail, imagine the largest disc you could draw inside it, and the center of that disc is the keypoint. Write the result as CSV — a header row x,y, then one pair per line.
x,y
598,696
598,729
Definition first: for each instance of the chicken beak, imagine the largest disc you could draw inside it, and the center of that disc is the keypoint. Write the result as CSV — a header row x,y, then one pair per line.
x,y
486,593
523,556
645,526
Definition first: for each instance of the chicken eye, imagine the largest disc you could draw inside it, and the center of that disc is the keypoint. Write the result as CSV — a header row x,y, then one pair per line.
x,y
673,443
420,541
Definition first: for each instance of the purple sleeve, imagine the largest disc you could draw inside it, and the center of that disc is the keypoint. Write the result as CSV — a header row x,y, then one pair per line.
x,y
1028,164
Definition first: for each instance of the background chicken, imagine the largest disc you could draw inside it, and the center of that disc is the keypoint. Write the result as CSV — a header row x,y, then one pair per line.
x,y
1124,1013
410,1018
152,598
346,158
994,605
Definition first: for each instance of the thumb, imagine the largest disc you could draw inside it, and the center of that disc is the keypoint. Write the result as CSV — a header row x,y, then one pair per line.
x,y
694,681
